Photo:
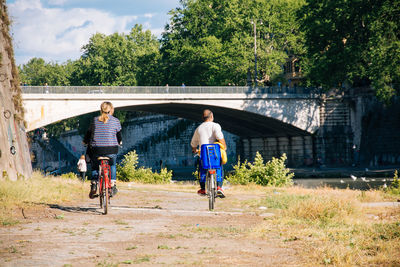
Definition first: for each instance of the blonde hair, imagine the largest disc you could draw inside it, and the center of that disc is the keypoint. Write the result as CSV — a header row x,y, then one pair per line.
x,y
106,108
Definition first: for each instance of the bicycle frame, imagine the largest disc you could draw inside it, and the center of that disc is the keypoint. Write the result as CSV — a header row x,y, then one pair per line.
x,y
104,183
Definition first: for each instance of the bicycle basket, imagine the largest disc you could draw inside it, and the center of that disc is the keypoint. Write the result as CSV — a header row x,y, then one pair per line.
x,y
210,156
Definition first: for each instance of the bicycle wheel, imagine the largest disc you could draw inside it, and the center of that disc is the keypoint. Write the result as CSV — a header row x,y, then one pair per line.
x,y
211,192
105,194
101,187
106,198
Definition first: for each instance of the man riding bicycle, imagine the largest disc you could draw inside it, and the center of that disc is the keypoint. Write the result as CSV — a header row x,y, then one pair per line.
x,y
208,132
103,138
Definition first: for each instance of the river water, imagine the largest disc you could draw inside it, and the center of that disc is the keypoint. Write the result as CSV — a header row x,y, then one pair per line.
x,y
342,183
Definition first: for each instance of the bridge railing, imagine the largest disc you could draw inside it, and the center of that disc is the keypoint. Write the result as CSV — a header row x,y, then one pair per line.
x,y
166,90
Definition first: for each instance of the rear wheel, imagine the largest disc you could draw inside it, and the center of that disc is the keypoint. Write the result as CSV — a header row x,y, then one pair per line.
x,y
105,194
211,191
106,200
101,187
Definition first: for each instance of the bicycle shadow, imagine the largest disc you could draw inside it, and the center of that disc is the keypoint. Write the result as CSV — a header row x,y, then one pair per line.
x,y
74,209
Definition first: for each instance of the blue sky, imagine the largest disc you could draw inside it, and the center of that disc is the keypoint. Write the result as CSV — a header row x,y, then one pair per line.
x,y
56,30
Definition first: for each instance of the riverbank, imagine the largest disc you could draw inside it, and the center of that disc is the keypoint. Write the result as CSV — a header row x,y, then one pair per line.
x,y
185,173
345,172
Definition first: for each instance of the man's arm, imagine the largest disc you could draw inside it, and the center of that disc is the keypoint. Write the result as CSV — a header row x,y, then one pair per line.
x,y
219,135
222,141
195,142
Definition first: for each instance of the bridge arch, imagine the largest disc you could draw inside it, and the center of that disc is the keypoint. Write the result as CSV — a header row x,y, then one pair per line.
x,y
243,113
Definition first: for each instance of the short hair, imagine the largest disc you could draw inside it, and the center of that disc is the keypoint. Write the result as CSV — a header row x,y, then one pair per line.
x,y
207,114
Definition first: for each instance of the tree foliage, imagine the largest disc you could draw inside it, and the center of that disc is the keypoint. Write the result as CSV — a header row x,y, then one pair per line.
x,y
39,72
119,59
352,41
212,42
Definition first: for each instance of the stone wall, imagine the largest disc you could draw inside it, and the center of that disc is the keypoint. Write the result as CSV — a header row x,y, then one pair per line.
x,y
380,138
157,139
14,151
164,139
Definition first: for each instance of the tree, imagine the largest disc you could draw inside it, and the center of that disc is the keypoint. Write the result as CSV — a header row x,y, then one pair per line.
x,y
212,42
38,72
353,41
119,59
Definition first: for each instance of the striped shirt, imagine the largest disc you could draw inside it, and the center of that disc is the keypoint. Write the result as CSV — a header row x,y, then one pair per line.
x,y
105,134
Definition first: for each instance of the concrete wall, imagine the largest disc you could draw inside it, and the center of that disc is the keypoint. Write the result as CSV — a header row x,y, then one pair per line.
x,y
14,151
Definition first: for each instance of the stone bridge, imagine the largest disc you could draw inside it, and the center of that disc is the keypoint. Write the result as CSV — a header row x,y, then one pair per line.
x,y
244,111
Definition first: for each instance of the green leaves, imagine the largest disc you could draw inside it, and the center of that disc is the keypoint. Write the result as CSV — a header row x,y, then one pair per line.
x,y
38,72
272,173
128,171
212,42
353,41
119,59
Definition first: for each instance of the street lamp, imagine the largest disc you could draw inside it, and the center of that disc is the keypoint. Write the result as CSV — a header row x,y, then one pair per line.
x,y
254,22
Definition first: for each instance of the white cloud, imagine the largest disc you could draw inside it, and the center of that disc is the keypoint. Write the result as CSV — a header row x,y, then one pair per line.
x,y
149,15
56,2
58,34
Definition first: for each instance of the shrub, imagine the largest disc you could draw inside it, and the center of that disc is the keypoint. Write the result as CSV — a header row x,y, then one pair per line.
x,y
128,171
394,188
272,173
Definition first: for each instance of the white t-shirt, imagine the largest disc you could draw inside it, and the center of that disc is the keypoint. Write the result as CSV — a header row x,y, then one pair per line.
x,y
207,133
82,165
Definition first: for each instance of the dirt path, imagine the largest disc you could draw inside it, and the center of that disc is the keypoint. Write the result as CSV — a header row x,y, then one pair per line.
x,y
145,226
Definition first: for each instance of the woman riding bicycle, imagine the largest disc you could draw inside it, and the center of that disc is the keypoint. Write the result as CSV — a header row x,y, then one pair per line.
x,y
103,138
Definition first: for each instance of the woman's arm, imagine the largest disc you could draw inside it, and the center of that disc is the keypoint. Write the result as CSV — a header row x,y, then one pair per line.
x,y
119,137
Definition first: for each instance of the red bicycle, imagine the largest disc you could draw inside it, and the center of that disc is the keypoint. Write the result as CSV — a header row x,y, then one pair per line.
x,y
104,183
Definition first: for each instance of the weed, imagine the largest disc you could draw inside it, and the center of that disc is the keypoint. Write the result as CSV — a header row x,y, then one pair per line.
x,y
106,264
145,258
59,217
131,248
120,222
13,249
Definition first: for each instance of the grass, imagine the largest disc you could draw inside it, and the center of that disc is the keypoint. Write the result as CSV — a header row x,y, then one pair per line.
x,y
325,226
37,190
331,227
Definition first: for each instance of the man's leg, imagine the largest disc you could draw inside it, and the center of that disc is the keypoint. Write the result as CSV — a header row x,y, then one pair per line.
x,y
202,179
220,180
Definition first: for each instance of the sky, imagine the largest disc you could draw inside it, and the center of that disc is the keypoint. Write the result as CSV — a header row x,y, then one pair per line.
x,y
56,30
